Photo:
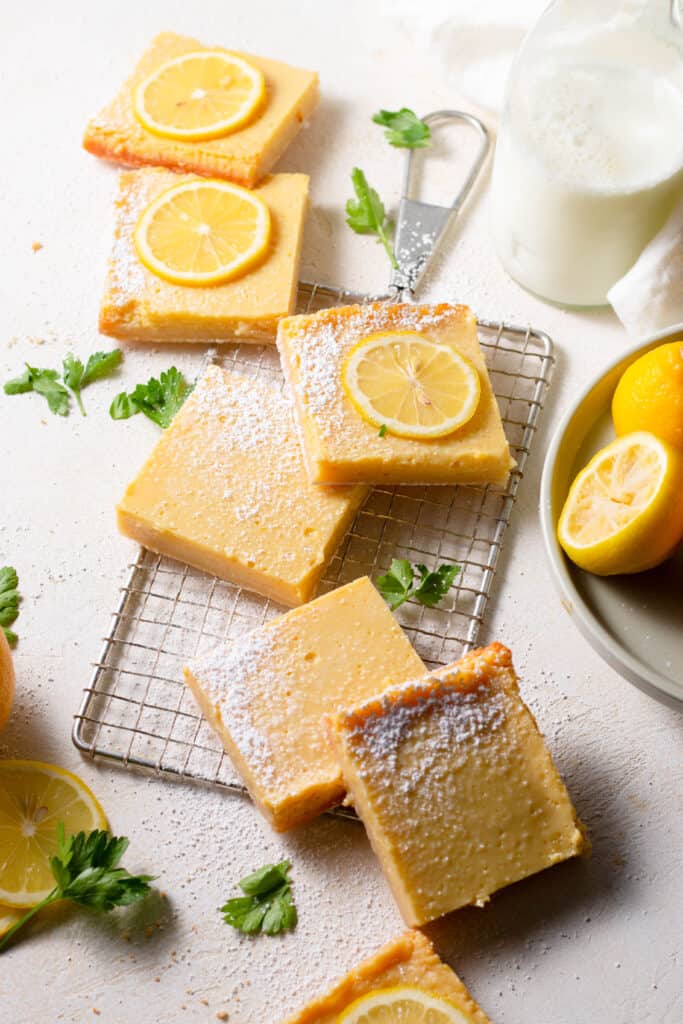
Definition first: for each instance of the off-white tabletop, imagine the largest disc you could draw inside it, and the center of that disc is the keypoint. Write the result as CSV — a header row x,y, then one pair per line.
x,y
595,942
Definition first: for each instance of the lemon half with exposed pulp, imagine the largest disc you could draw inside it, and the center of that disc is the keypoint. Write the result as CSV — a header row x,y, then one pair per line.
x,y
199,96
624,511
203,232
403,1004
34,797
410,385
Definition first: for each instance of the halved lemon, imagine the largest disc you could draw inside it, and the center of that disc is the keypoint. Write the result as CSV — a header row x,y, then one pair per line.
x,y
403,1004
199,96
203,232
411,386
624,511
34,797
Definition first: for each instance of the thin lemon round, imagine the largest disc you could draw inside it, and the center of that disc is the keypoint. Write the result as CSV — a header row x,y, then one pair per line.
x,y
8,919
624,511
403,1004
649,395
203,233
199,96
410,385
34,797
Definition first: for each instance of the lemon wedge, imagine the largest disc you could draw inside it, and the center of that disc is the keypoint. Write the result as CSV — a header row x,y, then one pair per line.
x,y
199,96
410,385
403,1004
203,232
34,797
624,511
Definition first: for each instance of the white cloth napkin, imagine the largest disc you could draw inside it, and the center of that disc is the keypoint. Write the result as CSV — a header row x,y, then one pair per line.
x,y
649,297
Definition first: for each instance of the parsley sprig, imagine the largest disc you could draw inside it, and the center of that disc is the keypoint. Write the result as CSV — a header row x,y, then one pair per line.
x,y
9,601
403,128
400,584
76,376
86,870
267,905
366,214
159,400
44,382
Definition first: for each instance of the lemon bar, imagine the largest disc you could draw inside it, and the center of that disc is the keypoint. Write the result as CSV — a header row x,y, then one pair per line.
x,y
340,446
225,490
138,305
245,155
409,960
455,785
265,695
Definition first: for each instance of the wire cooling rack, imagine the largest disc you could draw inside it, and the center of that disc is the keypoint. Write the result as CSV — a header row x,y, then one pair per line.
x,y
136,709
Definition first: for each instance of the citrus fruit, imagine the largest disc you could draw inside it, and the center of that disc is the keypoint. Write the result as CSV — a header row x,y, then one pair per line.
x,y
203,232
410,385
624,511
6,680
199,96
649,395
404,1004
34,797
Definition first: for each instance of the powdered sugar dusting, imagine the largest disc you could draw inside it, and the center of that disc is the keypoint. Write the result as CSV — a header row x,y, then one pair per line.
x,y
126,273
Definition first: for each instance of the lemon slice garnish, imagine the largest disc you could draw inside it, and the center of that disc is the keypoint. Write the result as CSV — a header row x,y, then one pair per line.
x,y
410,385
624,511
203,232
403,1004
199,96
34,797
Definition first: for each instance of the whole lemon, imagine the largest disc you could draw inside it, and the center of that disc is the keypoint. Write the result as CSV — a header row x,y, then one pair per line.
x,y
6,681
649,395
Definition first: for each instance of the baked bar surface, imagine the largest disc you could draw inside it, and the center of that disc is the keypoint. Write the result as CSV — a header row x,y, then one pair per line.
x,y
225,490
409,959
455,785
265,694
244,156
138,305
340,446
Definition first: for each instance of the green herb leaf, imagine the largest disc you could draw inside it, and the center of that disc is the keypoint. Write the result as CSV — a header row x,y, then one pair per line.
x,y
366,214
158,399
267,905
45,383
99,365
404,128
398,585
87,872
20,385
382,430
9,602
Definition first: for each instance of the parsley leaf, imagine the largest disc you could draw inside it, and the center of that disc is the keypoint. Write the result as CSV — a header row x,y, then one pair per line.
x,y
398,585
158,399
403,128
86,870
77,376
382,430
267,905
45,383
366,214
9,601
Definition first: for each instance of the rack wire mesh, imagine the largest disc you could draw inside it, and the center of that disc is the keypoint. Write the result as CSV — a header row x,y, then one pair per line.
x,y
136,709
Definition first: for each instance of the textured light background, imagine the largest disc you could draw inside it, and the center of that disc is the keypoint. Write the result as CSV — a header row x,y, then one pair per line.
x,y
594,942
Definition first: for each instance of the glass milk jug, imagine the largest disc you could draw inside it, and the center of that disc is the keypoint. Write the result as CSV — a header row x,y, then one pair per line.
x,y
589,159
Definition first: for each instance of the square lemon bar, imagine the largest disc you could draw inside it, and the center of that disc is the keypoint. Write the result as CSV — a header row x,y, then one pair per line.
x,y
138,305
340,445
409,960
455,785
265,695
225,490
244,155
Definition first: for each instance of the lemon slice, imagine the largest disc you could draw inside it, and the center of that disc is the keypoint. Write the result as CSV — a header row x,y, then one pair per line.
x,y
410,385
624,511
403,1004
34,797
203,232
199,96
8,919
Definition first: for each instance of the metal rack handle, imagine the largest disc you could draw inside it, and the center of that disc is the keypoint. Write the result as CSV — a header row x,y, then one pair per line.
x,y
421,225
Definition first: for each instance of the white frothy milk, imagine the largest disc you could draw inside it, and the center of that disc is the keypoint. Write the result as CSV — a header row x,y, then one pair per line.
x,y
588,165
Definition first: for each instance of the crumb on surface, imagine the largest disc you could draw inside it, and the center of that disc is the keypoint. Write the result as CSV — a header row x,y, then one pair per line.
x,y
36,246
